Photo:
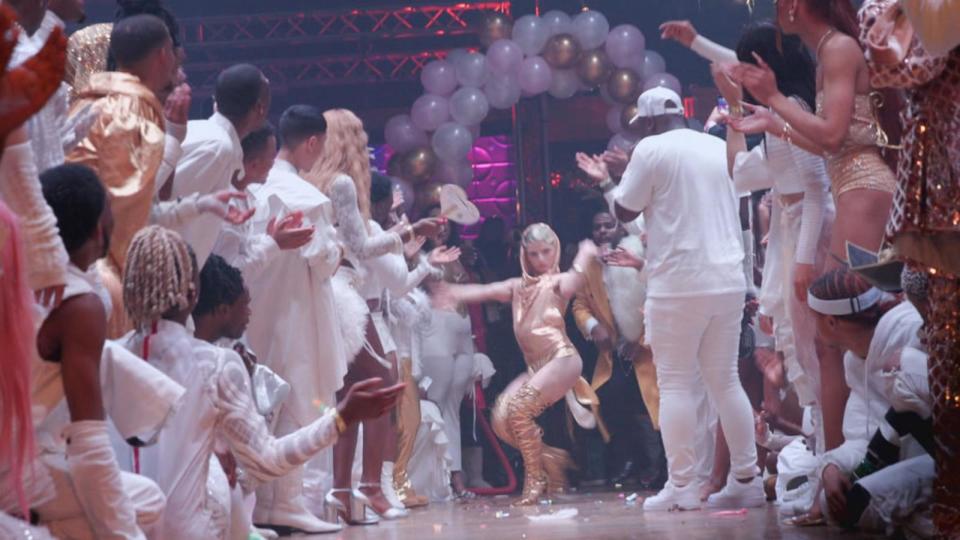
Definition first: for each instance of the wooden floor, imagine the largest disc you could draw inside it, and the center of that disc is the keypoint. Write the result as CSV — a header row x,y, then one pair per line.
x,y
599,516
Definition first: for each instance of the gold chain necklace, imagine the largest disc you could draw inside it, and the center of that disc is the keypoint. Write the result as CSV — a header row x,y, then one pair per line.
x,y
823,39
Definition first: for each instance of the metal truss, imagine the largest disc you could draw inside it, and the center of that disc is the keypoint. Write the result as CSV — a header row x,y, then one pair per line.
x,y
320,26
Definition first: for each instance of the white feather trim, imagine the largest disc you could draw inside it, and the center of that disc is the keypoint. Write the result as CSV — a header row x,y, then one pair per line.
x,y
627,291
352,312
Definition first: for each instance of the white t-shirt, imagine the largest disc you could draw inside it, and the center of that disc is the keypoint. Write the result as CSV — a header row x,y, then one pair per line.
x,y
679,181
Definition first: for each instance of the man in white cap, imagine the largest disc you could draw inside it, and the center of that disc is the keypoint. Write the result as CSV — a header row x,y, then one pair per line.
x,y
677,178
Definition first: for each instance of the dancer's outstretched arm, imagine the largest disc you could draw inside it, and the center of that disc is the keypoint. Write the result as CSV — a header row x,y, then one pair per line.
x,y
448,295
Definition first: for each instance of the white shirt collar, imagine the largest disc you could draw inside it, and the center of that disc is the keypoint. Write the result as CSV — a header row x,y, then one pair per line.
x,y
285,166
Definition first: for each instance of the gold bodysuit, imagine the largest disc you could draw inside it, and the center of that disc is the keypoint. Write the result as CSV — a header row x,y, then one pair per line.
x,y
538,311
857,164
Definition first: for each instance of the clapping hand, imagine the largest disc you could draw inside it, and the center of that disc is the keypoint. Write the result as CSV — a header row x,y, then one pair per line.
x,y
594,167
616,161
758,79
760,120
177,107
624,258
289,232
680,31
444,255
366,400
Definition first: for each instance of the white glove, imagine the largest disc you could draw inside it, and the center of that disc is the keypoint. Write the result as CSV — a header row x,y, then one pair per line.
x,y
96,481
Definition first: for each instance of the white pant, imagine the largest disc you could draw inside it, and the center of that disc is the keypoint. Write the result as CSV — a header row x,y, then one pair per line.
x,y
700,334
451,376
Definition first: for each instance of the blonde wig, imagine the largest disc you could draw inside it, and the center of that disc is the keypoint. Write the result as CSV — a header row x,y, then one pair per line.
x,y
344,152
159,275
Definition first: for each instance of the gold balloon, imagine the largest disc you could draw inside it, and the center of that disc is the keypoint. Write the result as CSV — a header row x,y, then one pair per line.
x,y
628,113
624,86
428,195
562,51
594,67
419,163
495,26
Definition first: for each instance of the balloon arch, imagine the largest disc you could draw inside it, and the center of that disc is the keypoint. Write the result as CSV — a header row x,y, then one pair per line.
x,y
553,53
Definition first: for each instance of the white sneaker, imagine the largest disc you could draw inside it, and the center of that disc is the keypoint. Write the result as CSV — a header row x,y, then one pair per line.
x,y
738,494
674,498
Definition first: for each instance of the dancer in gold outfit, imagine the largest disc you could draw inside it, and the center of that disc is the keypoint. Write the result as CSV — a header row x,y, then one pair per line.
x,y
539,300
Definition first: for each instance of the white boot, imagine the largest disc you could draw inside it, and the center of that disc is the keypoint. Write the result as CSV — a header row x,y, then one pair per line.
x,y
473,467
281,508
386,484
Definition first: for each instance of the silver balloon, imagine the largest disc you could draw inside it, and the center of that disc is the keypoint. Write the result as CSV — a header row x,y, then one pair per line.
x,y
452,142
439,77
665,80
471,69
430,111
564,83
460,173
591,29
625,45
530,34
503,91
535,75
455,55
504,57
469,106
652,63
557,22
402,135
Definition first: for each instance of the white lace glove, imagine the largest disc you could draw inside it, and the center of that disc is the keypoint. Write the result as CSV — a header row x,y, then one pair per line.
x,y
96,481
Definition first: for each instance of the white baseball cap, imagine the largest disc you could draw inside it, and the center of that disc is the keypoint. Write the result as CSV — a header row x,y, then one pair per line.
x,y
658,102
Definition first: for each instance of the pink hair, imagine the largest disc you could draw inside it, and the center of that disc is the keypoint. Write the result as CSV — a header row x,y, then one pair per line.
x,y
17,335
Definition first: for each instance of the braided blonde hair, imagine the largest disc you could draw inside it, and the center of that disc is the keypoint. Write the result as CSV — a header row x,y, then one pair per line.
x,y
344,152
159,275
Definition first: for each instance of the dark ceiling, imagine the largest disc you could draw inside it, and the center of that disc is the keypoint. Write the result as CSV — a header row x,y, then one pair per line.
x,y
721,20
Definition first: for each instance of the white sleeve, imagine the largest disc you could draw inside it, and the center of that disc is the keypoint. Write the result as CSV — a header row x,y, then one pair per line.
x,y
20,188
245,431
416,276
172,151
323,253
635,190
175,214
257,251
712,51
751,170
350,224
816,198
392,271
771,285
936,23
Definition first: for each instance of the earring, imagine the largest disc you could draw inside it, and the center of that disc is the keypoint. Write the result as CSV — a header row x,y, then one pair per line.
x,y
793,12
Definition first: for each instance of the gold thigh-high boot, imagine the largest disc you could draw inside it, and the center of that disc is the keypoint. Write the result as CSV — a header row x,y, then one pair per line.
x,y
408,422
499,422
556,461
523,409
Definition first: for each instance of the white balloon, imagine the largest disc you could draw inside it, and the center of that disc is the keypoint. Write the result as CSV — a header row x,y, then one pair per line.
x,y
530,34
469,106
665,80
439,77
557,22
460,173
623,142
503,91
625,45
591,29
402,135
504,57
430,111
455,55
613,118
564,83
471,69
535,75
452,142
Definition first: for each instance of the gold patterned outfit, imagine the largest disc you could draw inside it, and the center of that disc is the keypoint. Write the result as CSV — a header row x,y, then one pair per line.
x,y
858,164
125,148
924,228
538,323
87,51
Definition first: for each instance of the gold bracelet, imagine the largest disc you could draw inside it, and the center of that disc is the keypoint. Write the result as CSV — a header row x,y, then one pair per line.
x,y
736,111
341,423
786,134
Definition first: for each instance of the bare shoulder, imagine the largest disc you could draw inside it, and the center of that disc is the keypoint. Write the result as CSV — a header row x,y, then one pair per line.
x,y
842,50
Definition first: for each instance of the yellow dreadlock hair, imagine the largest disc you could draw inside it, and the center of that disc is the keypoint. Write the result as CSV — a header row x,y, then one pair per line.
x,y
158,276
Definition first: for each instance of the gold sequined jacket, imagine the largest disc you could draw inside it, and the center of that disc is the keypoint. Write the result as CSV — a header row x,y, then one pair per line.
x,y
924,225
